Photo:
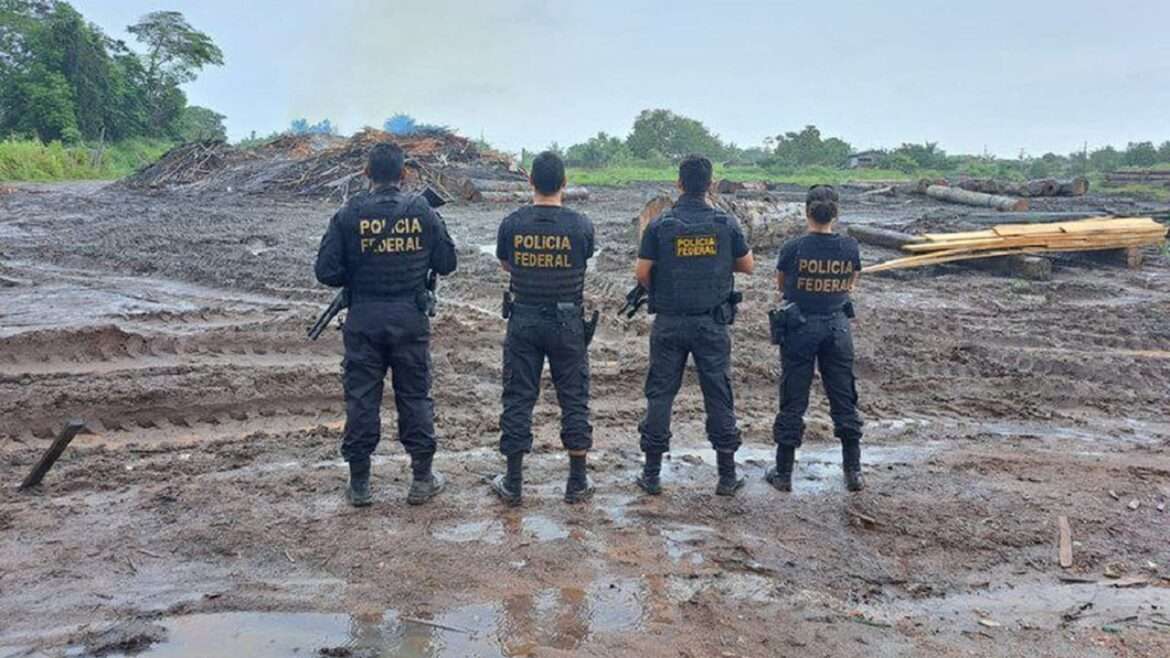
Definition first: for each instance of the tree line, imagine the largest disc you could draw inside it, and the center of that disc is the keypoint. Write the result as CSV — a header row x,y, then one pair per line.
x,y
63,79
660,137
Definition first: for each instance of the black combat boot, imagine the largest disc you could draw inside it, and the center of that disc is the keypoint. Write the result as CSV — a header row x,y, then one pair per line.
x,y
579,488
359,483
426,483
649,480
851,464
780,475
509,485
729,482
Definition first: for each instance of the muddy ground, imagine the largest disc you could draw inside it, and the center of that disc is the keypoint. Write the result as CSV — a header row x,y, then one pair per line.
x,y
202,514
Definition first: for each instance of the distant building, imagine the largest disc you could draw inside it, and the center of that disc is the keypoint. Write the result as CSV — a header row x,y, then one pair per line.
x,y
865,159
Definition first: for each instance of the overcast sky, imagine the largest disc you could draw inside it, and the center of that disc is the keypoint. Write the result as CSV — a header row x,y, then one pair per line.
x,y
993,75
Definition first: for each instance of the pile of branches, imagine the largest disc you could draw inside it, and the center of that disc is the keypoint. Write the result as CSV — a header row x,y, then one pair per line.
x,y
186,164
323,165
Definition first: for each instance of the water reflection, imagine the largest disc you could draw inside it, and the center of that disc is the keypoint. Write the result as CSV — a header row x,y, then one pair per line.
x,y
560,618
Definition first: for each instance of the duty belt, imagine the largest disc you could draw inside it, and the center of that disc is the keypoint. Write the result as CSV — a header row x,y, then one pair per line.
x,y
690,314
404,296
551,307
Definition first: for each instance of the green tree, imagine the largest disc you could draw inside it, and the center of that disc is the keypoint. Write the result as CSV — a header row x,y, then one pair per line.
x,y
926,155
1046,166
175,53
46,105
1105,159
199,124
662,133
808,148
1140,154
1164,152
597,151
63,78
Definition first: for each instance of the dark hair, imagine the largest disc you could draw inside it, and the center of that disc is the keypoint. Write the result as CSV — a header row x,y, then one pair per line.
x,y
386,162
548,173
694,172
821,203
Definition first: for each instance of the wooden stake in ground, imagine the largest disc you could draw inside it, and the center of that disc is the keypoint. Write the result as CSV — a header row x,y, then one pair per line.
x,y
1066,556
52,454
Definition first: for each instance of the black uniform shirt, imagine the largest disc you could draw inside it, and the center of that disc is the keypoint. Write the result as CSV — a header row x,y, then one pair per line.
x,y
547,248
818,271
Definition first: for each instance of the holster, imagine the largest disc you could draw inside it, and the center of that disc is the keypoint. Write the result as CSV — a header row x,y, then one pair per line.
x,y
591,327
726,312
782,320
506,307
847,309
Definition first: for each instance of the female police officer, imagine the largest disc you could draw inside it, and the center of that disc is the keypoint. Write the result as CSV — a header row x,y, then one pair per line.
x,y
815,274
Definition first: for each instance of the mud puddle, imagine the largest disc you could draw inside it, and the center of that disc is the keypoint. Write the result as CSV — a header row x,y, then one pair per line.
x,y
537,528
558,618
1040,605
817,469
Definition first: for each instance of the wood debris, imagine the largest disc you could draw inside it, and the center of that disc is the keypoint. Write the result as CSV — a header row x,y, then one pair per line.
x,y
1097,234
326,165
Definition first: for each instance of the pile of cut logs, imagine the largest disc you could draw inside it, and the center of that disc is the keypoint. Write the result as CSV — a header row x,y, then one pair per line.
x,y
1139,176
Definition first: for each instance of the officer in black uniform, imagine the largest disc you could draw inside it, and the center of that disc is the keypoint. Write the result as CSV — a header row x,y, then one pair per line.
x,y
380,246
545,247
815,274
687,262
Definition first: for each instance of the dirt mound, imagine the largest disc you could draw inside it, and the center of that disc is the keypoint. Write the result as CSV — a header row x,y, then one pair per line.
x,y
322,165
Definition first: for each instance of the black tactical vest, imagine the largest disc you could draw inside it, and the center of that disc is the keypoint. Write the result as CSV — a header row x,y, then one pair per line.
x,y
389,242
693,273
549,250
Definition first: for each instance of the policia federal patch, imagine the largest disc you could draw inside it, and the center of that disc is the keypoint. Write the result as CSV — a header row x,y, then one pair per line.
x,y
693,246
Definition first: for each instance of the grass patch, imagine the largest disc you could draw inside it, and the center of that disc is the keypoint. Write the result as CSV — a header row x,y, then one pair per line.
x,y
30,160
623,174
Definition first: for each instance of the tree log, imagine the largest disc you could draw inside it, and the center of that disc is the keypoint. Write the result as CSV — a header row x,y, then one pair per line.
x,y
726,186
1033,268
880,237
953,195
654,207
570,194
484,185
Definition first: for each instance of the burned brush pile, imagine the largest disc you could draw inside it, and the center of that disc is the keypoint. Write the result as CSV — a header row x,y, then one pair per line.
x,y
322,165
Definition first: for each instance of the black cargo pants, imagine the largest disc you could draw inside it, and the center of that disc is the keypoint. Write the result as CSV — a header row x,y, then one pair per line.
x,y
392,335
708,341
536,333
826,342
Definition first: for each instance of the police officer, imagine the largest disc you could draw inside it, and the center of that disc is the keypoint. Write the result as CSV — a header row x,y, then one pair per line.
x,y
380,247
686,261
816,273
544,247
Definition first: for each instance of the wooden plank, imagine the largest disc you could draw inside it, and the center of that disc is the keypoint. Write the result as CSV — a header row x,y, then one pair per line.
x,y
968,235
1065,549
52,454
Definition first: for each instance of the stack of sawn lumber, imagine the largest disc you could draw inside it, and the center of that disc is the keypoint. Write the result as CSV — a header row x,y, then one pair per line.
x,y
1097,234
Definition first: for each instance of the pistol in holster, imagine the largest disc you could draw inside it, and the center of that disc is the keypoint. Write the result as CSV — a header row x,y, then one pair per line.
x,y
847,309
726,312
506,307
782,320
